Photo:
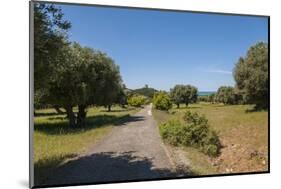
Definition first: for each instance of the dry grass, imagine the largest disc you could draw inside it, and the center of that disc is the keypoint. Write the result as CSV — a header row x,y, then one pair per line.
x,y
244,135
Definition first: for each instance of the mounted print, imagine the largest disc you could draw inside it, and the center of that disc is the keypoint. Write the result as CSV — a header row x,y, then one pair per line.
x,y
122,94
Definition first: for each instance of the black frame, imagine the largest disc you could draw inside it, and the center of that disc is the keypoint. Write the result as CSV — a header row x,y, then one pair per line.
x,y
31,90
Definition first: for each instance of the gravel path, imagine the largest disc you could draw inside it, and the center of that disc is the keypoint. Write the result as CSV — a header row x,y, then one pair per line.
x,y
132,151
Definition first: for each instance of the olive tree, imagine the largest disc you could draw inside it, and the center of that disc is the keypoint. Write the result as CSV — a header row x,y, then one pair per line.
x,y
184,94
50,34
226,95
83,78
109,86
251,76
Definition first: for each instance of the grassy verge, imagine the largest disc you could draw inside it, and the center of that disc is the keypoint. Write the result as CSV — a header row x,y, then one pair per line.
x,y
55,142
244,136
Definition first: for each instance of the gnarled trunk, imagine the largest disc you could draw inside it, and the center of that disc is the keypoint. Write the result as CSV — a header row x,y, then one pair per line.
x,y
109,108
81,115
71,116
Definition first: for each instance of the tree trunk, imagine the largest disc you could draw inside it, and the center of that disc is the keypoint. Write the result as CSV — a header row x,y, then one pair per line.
x,y
81,115
71,116
109,108
186,104
178,106
57,108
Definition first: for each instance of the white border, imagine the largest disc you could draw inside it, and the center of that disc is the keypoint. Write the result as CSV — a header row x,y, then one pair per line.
x,y
14,80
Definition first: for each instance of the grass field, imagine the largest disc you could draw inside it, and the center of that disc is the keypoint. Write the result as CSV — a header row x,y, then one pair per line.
x,y
242,132
55,141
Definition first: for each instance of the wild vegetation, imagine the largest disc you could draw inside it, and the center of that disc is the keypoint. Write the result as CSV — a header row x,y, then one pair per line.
x,y
136,100
242,133
162,101
229,111
192,131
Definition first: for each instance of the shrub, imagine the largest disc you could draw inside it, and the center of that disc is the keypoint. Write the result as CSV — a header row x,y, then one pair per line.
x,y
136,100
171,132
203,99
194,132
162,101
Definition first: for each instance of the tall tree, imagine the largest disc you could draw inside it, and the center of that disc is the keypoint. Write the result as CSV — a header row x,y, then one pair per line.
x,y
251,76
50,35
110,81
84,77
66,74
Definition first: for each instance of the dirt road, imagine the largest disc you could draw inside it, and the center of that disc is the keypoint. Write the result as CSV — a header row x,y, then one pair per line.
x,y
132,151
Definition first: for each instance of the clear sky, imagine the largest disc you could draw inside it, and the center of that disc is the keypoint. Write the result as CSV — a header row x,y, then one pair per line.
x,y
162,49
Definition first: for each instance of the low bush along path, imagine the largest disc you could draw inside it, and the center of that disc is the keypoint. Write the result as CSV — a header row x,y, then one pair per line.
x,y
132,151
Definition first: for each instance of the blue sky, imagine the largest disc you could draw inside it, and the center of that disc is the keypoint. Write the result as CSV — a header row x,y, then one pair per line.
x,y
162,49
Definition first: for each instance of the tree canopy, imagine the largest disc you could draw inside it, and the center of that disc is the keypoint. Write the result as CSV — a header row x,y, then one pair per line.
x,y
183,94
50,35
162,101
251,75
226,95
69,75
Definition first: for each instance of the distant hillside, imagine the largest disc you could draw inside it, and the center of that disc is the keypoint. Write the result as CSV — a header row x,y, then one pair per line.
x,y
145,91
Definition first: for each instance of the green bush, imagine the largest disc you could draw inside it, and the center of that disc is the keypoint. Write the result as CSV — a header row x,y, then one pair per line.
x,y
162,101
136,100
203,99
171,132
194,132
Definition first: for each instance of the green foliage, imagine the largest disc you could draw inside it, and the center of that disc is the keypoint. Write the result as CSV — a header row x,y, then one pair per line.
x,y
203,99
49,37
171,132
251,75
67,74
162,101
226,95
211,98
136,100
84,77
194,132
183,94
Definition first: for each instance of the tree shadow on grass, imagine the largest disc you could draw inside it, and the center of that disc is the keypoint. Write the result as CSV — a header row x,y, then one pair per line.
x,y
45,167
188,107
92,122
109,167
194,107
255,109
118,110
44,114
